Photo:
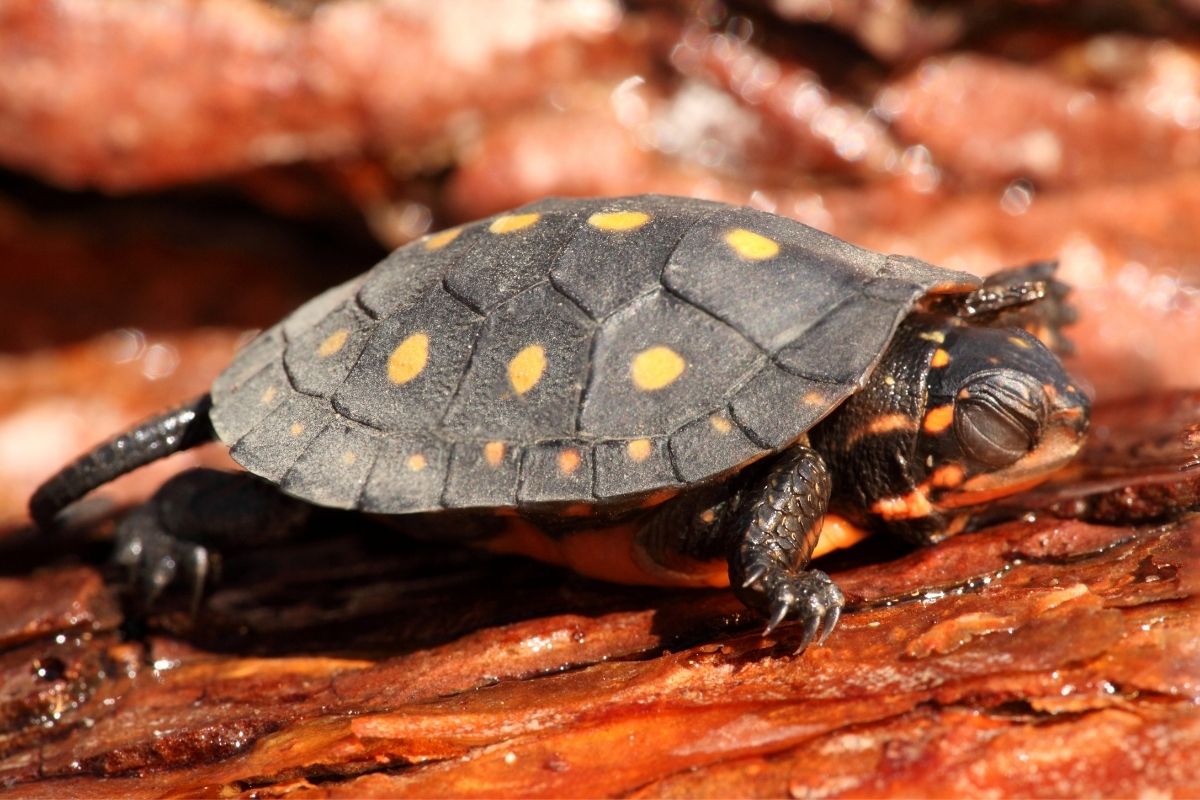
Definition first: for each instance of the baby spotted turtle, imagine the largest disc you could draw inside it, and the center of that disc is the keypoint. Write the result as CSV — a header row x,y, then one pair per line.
x,y
647,389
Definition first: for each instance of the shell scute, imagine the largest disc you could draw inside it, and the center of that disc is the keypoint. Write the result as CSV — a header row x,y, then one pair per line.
x,y
411,396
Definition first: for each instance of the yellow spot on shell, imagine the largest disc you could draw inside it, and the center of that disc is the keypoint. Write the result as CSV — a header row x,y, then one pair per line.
x,y
655,368
639,450
297,428
493,453
720,424
618,220
268,395
750,245
408,359
568,461
526,368
439,240
333,342
1019,342
813,399
416,462
349,457
513,222
938,419
940,358
932,336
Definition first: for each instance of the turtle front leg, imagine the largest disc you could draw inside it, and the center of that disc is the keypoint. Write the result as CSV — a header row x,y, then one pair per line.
x,y
176,535
774,538
1028,297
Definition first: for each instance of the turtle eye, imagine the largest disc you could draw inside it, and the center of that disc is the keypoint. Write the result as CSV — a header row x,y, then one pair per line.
x,y
998,418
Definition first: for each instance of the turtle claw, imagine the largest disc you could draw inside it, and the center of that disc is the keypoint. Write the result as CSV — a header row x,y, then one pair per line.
x,y
154,560
811,598
831,621
755,575
779,613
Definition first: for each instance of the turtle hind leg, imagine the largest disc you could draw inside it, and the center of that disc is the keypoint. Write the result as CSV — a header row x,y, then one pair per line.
x,y
1028,297
774,538
176,537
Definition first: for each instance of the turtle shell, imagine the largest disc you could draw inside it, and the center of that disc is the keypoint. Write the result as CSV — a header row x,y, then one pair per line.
x,y
570,351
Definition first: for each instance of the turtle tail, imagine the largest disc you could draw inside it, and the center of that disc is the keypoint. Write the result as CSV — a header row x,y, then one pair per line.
x,y
178,429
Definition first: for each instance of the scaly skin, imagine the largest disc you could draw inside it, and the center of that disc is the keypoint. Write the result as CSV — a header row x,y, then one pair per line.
x,y
777,534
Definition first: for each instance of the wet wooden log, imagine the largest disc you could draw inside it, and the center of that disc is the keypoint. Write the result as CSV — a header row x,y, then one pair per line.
x,y
1052,653
1040,657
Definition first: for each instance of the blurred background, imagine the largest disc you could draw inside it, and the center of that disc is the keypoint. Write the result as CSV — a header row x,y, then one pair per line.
x,y
176,174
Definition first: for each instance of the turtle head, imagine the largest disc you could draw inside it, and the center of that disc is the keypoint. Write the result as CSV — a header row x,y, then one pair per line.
x,y
953,416
1001,415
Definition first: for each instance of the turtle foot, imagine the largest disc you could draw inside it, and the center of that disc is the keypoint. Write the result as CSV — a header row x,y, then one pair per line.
x,y
810,598
155,560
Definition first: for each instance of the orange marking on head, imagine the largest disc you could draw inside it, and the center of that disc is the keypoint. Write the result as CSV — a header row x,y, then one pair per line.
x,y
938,419
883,424
947,476
913,505
417,462
940,358
1071,413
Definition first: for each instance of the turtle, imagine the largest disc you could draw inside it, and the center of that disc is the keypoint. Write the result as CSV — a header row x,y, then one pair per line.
x,y
647,389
